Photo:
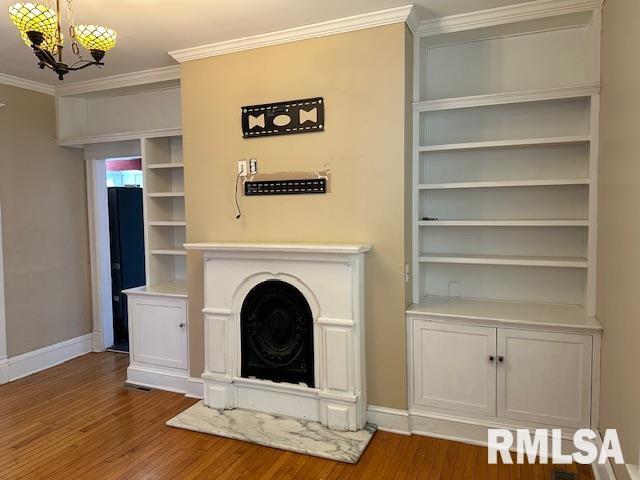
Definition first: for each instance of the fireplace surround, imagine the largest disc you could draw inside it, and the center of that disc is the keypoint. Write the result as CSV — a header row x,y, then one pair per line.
x,y
284,330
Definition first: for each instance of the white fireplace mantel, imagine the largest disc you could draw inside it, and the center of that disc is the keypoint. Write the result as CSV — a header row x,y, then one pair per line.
x,y
331,278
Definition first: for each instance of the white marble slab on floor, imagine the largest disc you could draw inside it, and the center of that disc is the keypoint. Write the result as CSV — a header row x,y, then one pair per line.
x,y
275,431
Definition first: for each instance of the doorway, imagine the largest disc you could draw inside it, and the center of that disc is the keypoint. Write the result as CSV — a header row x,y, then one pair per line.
x,y
126,240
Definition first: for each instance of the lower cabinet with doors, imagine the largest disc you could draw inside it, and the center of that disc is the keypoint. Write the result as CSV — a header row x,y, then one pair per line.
x,y
158,338
518,376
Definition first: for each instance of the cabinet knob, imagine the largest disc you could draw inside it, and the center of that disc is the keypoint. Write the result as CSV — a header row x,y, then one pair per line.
x,y
500,358
491,358
182,324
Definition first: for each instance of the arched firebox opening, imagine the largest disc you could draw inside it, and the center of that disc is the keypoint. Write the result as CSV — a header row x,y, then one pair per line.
x,y
277,334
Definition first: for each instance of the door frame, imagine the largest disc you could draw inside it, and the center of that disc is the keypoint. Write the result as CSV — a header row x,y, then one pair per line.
x,y
4,361
99,245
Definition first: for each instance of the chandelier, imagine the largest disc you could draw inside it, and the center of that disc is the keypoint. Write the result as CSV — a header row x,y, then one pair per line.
x,y
40,29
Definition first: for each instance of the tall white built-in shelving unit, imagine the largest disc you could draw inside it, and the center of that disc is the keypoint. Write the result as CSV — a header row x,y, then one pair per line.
x,y
165,223
505,160
502,330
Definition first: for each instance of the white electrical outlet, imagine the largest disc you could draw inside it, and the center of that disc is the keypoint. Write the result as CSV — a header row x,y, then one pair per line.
x,y
454,289
242,168
253,166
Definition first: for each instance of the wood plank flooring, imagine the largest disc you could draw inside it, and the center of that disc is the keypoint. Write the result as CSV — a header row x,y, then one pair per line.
x,y
77,421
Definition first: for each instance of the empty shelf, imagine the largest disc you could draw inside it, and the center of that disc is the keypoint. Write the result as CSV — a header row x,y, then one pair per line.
x,y
564,262
555,316
166,194
168,223
504,184
506,143
503,223
154,166
168,251
453,103
169,289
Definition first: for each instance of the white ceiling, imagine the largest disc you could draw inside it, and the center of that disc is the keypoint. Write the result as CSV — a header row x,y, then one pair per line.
x,y
148,29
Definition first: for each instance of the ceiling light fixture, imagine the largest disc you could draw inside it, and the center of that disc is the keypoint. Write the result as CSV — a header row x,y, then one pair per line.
x,y
39,27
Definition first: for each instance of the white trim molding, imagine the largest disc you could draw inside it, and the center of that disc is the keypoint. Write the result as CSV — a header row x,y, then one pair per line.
x,y
331,27
142,77
80,142
389,419
498,16
12,81
96,172
4,364
31,362
603,471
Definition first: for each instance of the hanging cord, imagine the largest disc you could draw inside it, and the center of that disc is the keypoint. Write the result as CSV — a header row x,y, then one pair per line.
x,y
237,204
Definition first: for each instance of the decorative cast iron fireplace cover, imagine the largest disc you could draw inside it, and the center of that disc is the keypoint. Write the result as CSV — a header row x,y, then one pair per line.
x,y
277,334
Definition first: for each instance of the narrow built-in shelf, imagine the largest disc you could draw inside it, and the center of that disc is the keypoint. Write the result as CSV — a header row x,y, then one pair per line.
x,y
168,251
504,184
540,315
563,93
503,223
524,142
562,262
168,223
165,194
154,166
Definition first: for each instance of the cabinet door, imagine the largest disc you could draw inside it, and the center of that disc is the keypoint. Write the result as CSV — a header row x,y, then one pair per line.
x,y
544,377
159,329
452,367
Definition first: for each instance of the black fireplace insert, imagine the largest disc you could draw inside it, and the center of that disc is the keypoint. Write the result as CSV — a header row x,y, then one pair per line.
x,y
277,334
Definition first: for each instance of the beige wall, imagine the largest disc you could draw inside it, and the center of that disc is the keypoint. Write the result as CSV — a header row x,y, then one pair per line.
x,y
44,226
361,76
619,225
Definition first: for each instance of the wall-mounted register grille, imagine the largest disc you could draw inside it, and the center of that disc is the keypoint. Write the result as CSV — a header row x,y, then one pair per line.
x,y
286,187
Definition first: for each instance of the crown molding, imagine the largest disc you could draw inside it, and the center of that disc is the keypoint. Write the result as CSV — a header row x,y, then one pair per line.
x,y
142,77
331,27
502,15
413,22
12,81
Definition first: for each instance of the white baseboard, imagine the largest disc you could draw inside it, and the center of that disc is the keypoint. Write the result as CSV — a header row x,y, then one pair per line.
x,y
31,362
4,370
195,388
602,471
389,419
176,382
96,342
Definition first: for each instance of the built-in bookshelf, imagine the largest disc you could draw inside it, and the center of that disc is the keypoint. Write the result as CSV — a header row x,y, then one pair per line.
x,y
505,162
165,232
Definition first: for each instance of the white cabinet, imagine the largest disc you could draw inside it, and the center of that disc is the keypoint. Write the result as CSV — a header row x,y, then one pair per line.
x,y
455,367
158,331
544,377
158,337
510,375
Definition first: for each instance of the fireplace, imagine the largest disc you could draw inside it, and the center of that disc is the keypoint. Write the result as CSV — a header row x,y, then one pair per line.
x,y
284,330
276,329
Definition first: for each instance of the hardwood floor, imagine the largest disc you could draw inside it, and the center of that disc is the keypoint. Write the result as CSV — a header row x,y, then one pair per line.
x,y
77,421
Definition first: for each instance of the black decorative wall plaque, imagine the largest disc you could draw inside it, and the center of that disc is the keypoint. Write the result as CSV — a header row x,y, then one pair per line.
x,y
283,118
